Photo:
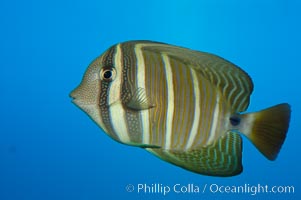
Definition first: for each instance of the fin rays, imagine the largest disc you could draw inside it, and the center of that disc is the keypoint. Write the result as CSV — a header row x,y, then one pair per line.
x,y
223,158
268,129
139,100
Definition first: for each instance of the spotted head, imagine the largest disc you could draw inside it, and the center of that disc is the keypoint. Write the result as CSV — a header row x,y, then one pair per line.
x,y
109,87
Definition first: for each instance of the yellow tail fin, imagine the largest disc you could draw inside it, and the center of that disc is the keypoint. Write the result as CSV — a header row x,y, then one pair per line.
x,y
267,129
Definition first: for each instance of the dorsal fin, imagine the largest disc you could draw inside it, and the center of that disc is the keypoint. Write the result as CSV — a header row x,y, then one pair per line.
x,y
222,158
235,84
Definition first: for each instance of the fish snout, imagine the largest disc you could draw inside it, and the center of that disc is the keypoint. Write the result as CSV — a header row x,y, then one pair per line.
x,y
86,94
77,96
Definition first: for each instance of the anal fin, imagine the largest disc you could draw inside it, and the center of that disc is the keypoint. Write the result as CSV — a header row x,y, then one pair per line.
x,y
222,158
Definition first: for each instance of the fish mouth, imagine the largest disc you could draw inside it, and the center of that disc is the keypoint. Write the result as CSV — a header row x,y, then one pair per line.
x,y
76,100
72,96
81,104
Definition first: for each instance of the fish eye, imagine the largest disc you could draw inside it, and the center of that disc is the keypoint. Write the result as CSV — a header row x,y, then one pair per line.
x,y
107,74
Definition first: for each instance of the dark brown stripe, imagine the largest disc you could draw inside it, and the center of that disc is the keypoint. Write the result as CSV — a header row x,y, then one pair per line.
x,y
107,61
129,86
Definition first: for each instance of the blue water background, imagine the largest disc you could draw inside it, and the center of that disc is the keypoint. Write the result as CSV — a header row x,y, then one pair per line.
x,y
49,149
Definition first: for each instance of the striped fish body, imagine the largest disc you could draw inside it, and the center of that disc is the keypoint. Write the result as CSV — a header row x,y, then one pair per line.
x,y
179,104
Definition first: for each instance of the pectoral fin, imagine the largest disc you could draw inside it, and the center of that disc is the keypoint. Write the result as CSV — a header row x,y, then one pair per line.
x,y
139,100
222,158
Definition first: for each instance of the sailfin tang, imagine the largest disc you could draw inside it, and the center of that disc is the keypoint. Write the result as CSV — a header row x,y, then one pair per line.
x,y
139,100
222,158
267,129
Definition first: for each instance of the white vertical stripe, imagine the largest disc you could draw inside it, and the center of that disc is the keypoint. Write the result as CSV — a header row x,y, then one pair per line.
x,y
247,126
117,113
196,117
170,101
141,84
214,120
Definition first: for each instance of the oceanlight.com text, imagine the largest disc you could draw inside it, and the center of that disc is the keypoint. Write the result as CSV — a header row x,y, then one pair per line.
x,y
191,188
251,189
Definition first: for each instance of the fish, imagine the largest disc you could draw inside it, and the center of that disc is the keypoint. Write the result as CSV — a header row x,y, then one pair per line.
x,y
184,106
